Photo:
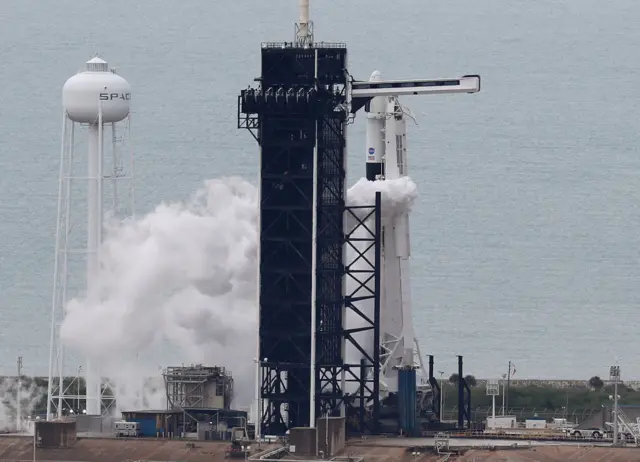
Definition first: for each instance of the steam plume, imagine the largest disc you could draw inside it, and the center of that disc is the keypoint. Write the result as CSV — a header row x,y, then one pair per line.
x,y
30,396
185,274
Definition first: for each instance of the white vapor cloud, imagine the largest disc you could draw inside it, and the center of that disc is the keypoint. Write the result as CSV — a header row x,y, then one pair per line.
x,y
186,274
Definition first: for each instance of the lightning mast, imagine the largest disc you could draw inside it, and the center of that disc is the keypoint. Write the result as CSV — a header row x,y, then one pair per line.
x,y
93,100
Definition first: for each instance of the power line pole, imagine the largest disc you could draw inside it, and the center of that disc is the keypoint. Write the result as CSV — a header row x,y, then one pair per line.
x,y
18,397
508,384
504,388
442,393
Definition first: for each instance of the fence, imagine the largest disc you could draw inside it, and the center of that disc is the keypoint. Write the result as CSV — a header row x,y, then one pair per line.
x,y
480,413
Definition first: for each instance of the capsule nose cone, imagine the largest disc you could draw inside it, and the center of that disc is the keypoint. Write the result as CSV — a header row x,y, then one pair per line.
x,y
375,76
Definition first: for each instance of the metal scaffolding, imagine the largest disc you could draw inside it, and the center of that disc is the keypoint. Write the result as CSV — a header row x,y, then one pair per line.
x,y
186,386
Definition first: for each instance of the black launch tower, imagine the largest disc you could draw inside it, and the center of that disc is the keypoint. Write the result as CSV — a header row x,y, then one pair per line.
x,y
298,114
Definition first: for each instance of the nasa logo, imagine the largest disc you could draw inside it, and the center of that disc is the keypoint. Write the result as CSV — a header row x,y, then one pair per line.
x,y
372,151
112,96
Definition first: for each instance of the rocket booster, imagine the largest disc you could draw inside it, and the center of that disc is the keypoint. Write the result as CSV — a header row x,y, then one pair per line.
x,y
386,159
376,114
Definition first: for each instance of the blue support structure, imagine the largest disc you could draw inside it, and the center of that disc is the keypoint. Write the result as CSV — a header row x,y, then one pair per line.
x,y
298,115
407,400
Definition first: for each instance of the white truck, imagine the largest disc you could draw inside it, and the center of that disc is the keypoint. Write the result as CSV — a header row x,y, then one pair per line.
x,y
592,432
126,429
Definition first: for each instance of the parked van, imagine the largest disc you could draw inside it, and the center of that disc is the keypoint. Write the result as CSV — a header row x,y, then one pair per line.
x,y
124,428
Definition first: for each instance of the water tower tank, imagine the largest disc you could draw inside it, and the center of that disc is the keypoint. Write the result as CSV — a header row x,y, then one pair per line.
x,y
83,94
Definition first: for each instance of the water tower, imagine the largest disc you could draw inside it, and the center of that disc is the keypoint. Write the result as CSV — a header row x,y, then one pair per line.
x,y
93,100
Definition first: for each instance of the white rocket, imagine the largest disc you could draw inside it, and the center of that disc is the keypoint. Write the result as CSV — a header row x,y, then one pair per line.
x,y
386,160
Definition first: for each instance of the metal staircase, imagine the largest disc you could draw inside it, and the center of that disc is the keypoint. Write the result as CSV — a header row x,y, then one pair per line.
x,y
628,430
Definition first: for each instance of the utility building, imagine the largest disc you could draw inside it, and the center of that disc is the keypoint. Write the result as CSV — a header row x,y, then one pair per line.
x,y
198,387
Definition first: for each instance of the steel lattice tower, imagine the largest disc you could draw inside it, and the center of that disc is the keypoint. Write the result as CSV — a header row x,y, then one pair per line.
x,y
299,116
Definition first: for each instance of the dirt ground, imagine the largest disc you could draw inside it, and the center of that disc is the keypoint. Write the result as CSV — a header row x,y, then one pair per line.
x,y
112,450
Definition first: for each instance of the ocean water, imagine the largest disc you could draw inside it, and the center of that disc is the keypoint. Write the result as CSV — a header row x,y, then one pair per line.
x,y
525,236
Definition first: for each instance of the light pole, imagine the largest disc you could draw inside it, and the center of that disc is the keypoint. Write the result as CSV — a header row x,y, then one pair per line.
x,y
493,388
504,376
18,397
78,389
614,375
441,395
258,386
508,383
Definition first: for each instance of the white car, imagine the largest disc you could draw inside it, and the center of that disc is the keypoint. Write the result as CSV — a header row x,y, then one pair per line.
x,y
592,432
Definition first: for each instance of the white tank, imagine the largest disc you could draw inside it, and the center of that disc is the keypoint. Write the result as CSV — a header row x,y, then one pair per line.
x,y
83,94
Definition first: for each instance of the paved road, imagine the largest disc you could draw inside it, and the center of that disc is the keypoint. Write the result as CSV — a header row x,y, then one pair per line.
x,y
469,442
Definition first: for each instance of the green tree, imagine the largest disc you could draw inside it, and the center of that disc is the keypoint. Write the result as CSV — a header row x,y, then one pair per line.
x,y
453,378
471,380
596,383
